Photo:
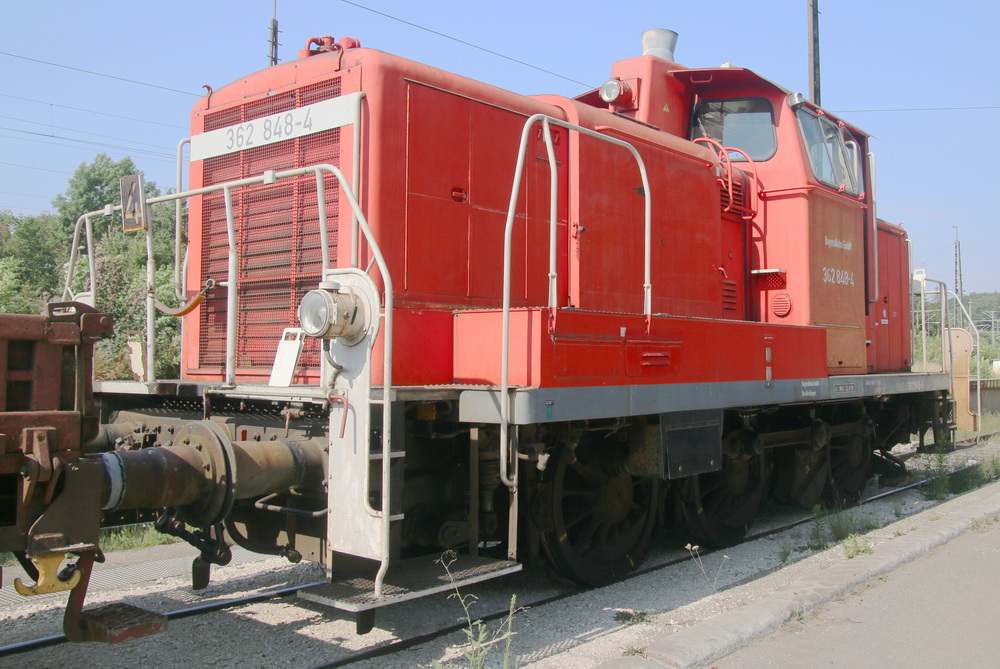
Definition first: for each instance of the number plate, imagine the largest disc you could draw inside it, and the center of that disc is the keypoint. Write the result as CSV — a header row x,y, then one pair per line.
x,y
317,117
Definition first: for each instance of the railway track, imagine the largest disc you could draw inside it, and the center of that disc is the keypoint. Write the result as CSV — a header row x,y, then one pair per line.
x,y
798,519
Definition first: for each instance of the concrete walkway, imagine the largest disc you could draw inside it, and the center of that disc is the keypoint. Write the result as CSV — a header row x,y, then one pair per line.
x,y
940,610
917,600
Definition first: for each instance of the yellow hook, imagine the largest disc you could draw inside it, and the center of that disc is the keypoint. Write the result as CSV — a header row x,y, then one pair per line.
x,y
48,577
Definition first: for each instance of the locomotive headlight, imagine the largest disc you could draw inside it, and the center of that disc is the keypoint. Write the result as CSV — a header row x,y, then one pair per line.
x,y
616,92
327,313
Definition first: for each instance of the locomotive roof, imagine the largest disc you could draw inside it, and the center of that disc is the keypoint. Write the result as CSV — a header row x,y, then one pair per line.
x,y
723,76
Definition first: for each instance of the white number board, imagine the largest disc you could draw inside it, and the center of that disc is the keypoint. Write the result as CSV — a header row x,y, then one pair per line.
x,y
317,117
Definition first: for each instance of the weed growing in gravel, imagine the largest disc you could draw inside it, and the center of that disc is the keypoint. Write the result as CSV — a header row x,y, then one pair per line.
x,y
975,476
696,555
855,545
785,550
841,524
991,468
479,640
817,540
628,617
967,479
985,522
632,651
937,487
897,508
865,525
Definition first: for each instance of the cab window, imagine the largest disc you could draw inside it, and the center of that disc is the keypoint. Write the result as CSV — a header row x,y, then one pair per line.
x,y
833,152
746,124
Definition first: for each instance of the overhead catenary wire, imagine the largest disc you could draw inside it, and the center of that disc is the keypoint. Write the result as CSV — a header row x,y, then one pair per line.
x,y
104,149
143,152
39,197
19,207
910,109
100,74
94,111
32,167
466,43
82,132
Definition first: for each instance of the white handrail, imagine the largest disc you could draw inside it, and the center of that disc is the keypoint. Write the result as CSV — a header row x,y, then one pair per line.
x,y
505,477
874,214
83,222
231,284
179,285
267,177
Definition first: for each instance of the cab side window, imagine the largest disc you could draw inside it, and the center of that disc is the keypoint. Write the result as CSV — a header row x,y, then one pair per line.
x,y
833,153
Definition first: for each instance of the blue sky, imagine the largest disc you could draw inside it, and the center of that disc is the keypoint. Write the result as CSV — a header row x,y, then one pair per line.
x,y
876,55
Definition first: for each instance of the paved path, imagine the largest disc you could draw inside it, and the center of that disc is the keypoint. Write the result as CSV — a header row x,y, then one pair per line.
x,y
941,610
929,597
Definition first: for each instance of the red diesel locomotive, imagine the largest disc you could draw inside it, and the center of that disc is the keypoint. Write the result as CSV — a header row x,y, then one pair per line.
x,y
440,315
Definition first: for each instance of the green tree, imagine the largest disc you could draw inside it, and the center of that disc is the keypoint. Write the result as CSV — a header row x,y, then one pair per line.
x,y
31,248
121,293
16,297
6,219
38,242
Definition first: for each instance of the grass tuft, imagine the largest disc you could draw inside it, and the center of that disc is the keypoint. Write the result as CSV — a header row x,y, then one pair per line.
x,y
855,545
841,524
628,617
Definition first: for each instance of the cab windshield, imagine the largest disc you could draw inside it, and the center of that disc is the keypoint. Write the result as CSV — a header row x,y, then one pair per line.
x,y
745,124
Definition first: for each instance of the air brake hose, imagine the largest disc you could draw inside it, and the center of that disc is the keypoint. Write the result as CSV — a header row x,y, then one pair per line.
x,y
180,312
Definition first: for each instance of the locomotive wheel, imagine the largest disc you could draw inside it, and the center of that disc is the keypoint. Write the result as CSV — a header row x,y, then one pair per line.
x,y
601,521
850,468
718,507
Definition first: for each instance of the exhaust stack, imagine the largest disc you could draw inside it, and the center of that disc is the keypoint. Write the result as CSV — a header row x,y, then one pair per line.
x,y
659,42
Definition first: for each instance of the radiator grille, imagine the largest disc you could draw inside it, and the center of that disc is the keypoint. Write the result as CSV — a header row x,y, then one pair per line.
x,y
277,234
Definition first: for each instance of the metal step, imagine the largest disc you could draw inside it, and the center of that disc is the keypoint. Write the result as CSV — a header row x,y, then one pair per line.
x,y
117,622
407,579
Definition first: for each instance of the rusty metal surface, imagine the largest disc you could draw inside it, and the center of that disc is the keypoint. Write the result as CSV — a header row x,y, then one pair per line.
x,y
114,623
46,409
73,520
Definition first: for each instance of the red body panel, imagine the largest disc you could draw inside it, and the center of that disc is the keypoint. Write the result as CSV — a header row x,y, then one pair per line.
x,y
601,349
438,155
435,189
890,314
